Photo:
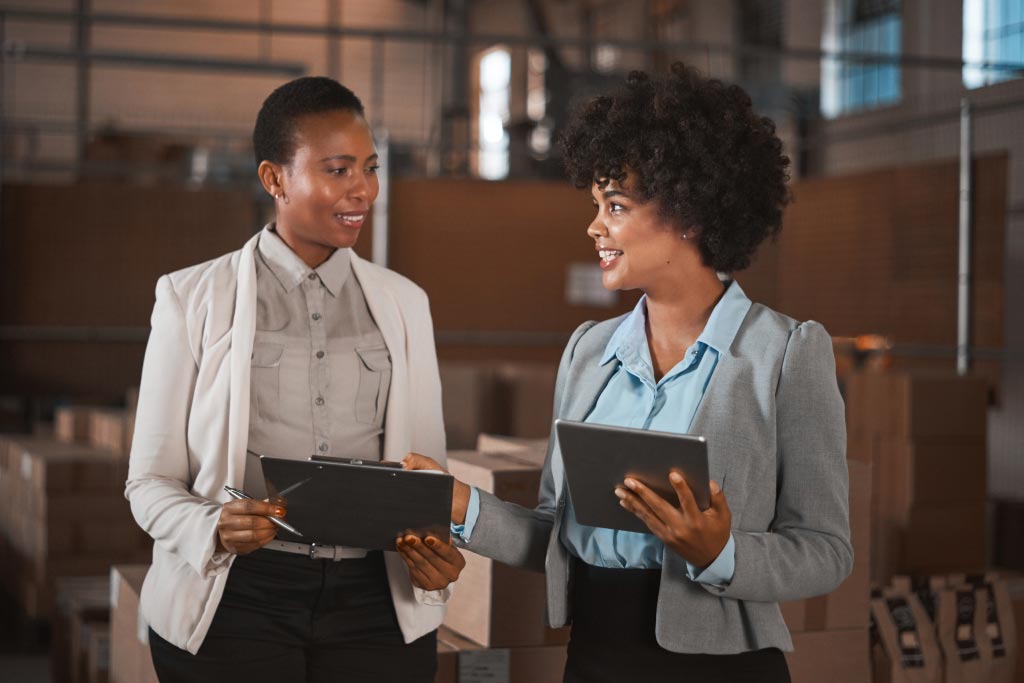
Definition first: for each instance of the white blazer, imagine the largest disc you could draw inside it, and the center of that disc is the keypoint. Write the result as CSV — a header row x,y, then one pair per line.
x,y
192,425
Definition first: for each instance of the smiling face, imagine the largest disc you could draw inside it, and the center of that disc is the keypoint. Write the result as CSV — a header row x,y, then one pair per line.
x,y
637,248
327,187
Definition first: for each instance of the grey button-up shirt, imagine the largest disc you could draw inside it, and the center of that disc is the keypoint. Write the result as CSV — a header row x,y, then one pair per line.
x,y
320,369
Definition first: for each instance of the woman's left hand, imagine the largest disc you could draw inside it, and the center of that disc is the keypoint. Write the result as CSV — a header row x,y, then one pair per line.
x,y
433,564
698,537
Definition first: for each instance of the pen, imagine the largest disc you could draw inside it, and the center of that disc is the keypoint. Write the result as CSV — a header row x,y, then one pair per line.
x,y
242,495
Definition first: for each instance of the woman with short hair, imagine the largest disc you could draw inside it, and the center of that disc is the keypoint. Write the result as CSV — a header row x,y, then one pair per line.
x,y
291,346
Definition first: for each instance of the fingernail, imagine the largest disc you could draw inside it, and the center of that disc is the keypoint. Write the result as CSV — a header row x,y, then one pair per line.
x,y
412,541
619,492
430,541
279,512
630,483
715,488
622,503
675,478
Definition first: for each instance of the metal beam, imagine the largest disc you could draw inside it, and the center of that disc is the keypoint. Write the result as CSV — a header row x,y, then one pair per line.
x,y
143,59
284,28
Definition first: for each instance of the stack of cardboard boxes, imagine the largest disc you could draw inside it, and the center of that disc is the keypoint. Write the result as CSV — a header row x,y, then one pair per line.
x,y
925,436
512,398
62,513
831,632
496,618
80,647
130,660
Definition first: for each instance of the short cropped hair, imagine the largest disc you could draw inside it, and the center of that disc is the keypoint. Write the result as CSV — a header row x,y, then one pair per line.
x,y
273,137
695,146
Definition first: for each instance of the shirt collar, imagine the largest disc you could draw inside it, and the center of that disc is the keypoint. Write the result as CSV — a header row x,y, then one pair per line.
x,y
290,270
719,332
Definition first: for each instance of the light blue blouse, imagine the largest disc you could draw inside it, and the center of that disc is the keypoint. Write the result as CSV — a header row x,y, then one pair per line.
x,y
632,398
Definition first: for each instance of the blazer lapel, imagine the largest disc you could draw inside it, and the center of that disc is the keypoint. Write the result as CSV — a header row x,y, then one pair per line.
x,y
243,332
388,316
584,383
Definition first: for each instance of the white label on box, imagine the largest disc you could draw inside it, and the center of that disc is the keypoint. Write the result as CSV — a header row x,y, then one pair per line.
x,y
26,466
142,628
115,584
583,286
484,666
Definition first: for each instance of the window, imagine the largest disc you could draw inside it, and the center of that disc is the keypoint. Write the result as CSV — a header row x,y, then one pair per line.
x,y
865,27
993,33
492,138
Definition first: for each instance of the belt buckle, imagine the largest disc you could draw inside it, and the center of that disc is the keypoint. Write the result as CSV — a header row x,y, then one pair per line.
x,y
312,551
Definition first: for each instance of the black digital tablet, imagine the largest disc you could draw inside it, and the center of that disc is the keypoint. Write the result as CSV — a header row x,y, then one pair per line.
x,y
597,458
356,503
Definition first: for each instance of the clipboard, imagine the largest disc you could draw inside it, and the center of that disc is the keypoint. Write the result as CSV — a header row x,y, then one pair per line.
x,y
598,457
356,503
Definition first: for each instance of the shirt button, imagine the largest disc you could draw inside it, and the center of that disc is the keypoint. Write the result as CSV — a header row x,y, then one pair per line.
x,y
319,354
312,276
319,400
323,447
316,316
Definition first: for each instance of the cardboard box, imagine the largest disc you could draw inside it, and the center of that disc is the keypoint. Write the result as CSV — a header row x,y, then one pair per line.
x,y
63,512
905,404
930,471
836,656
906,650
528,394
847,607
496,605
494,443
470,402
72,424
460,660
82,603
109,430
130,660
944,539
97,653
957,615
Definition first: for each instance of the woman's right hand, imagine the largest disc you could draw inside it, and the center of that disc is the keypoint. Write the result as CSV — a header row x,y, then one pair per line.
x,y
460,492
243,526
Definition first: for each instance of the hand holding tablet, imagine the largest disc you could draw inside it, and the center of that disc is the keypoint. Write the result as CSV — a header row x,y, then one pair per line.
x,y
660,486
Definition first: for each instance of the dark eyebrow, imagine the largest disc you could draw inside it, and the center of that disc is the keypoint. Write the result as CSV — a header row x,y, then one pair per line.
x,y
613,193
346,157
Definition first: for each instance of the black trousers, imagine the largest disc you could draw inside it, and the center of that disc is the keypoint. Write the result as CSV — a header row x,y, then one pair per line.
x,y
286,617
612,638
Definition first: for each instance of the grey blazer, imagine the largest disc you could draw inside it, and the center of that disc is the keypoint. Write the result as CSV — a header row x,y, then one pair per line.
x,y
776,436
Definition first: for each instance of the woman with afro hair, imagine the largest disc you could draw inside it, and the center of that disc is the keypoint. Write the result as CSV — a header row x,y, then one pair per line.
x,y
687,181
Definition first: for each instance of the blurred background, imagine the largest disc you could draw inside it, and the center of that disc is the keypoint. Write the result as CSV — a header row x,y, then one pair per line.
x,y
125,153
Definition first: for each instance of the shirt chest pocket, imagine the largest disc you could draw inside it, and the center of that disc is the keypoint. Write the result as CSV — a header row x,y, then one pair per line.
x,y
265,380
374,383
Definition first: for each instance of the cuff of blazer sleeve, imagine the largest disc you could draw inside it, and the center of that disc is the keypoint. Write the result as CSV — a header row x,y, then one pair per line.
x,y
213,561
465,530
438,597
720,572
